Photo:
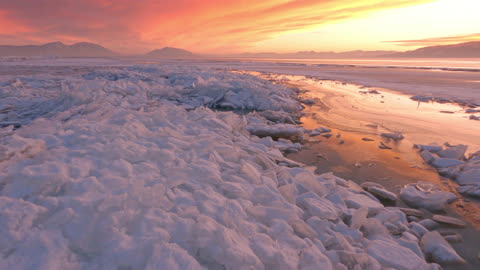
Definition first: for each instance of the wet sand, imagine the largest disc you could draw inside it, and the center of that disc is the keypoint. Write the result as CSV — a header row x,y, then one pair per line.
x,y
347,110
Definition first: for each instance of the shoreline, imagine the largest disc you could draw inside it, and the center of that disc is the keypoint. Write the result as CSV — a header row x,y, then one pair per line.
x,y
361,160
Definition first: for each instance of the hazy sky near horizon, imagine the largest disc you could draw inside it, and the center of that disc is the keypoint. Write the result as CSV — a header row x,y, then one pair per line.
x,y
226,26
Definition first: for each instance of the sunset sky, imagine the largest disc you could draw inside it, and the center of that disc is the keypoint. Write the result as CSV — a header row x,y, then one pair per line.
x,y
227,26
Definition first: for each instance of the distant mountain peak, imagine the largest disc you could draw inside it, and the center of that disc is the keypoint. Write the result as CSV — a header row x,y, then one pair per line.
x,y
170,52
83,43
81,49
56,44
460,50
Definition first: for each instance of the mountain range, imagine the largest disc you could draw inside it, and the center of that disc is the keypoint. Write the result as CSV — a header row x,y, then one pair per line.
x,y
82,49
315,55
461,50
169,52
85,49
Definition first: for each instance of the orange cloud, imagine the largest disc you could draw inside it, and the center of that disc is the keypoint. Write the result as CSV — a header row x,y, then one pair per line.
x,y
197,25
439,40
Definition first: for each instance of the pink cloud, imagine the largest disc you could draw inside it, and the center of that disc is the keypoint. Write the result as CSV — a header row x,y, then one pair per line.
x,y
137,26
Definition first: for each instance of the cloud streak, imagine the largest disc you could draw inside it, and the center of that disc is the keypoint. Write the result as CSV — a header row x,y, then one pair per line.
x,y
198,25
438,40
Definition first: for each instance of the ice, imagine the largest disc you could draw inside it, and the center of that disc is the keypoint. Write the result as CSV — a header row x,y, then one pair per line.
x,y
17,221
359,200
277,131
308,101
318,131
379,191
470,174
428,224
453,152
450,161
454,238
278,117
449,220
426,195
445,162
418,229
317,206
429,148
323,129
389,254
469,190
139,166
422,98
427,156
171,256
434,246
382,193
48,250
396,136
393,219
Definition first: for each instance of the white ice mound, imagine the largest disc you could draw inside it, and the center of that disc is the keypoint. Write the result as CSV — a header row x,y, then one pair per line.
x,y
426,195
277,131
453,152
134,173
470,174
379,191
451,161
436,247
396,257
445,162
429,148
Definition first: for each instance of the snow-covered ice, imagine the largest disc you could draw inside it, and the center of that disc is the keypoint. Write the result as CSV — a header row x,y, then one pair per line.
x,y
449,220
426,195
139,167
436,247
394,136
451,161
379,191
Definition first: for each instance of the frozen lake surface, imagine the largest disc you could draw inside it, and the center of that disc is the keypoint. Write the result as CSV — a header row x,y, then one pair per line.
x,y
111,164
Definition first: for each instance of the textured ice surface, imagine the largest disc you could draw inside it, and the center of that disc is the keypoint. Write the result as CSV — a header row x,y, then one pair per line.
x,y
436,247
426,195
451,161
128,168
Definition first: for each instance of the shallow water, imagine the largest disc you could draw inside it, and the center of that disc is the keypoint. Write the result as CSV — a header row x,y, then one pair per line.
x,y
347,110
351,107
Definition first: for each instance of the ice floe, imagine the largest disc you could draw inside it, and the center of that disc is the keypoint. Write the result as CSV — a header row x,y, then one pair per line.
x,y
440,251
426,195
379,191
450,161
449,220
396,136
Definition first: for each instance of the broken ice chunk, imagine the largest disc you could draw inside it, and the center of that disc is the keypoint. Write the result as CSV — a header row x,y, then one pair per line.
x,y
449,220
276,131
434,246
396,136
426,195
453,152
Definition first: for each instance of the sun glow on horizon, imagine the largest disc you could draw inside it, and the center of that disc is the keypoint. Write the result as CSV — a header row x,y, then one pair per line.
x,y
434,23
